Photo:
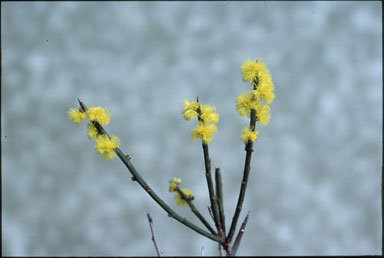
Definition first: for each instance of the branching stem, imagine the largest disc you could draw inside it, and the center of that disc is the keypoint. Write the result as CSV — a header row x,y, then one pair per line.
x,y
145,186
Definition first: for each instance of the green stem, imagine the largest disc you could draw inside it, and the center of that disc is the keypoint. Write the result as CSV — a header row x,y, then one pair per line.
x,y
154,196
195,210
219,196
239,236
213,199
247,168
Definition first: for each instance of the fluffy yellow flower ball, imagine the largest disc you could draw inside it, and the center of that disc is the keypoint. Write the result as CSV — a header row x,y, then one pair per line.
x,y
248,135
179,199
98,114
105,146
75,115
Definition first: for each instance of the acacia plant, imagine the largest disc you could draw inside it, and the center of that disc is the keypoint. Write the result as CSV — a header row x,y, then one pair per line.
x,y
252,104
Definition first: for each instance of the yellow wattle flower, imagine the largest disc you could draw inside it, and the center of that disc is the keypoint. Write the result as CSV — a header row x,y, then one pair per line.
x,y
265,78
263,114
207,116
190,109
204,132
250,69
179,199
105,146
245,102
98,114
248,135
264,91
91,131
75,115
207,119
175,182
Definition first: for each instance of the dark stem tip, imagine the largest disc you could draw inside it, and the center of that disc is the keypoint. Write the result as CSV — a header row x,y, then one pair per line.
x,y
149,217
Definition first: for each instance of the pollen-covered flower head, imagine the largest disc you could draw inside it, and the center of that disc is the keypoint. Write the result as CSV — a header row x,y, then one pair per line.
x,y
179,199
91,131
262,94
105,146
207,116
190,109
75,115
245,102
248,135
207,119
98,114
174,183
265,91
204,132
263,114
253,71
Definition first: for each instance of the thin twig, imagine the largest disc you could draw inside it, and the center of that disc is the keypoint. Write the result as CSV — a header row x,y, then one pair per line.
x,y
212,197
154,238
210,213
145,186
195,211
239,235
220,202
219,196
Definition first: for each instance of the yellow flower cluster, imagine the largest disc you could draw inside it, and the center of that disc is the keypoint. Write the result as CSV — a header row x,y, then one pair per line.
x,y
248,135
172,185
179,199
91,131
207,116
94,114
258,98
245,102
103,144
190,109
204,132
207,120
75,115
98,114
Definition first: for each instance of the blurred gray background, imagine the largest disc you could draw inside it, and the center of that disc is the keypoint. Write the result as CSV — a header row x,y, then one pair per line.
x,y
314,187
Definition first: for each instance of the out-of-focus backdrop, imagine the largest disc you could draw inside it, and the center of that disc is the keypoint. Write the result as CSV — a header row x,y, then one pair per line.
x,y
314,187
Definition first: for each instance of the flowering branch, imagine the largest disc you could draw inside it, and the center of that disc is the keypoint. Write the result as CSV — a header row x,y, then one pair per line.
x,y
244,182
204,117
252,104
145,186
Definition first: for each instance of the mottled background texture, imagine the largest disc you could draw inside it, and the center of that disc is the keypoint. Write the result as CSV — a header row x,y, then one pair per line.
x,y
314,186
